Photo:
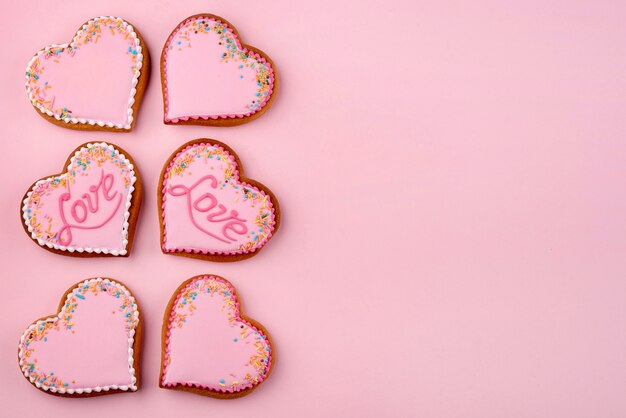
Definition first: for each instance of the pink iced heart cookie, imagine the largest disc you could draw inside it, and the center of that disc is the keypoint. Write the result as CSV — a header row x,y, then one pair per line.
x,y
89,210
208,209
91,347
95,82
209,346
209,77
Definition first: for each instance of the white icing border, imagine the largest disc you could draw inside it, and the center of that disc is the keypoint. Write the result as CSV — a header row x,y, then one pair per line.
x,y
125,226
133,90
131,370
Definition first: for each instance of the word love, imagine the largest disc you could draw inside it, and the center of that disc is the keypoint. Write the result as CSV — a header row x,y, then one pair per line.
x,y
207,206
87,204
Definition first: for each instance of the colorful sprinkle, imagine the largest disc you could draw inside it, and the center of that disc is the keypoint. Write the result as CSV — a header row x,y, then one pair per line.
x,y
264,75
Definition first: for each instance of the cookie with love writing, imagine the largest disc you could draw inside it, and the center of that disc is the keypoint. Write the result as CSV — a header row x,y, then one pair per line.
x,y
208,209
209,77
209,347
90,347
94,82
89,210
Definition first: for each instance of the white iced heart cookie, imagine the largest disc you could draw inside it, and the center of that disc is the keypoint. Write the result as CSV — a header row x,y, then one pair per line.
x,y
89,210
208,209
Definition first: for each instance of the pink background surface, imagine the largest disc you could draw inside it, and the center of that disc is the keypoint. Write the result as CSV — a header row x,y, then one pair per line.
x,y
451,177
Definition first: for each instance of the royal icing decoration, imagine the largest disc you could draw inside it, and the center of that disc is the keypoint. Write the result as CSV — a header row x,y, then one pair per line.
x,y
89,347
92,81
207,209
87,208
209,345
209,75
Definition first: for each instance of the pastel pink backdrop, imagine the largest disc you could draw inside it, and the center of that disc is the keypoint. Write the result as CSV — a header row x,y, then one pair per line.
x,y
452,181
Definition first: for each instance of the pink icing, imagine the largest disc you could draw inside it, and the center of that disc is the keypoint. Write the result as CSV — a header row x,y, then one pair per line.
x,y
92,80
209,75
209,345
206,208
86,208
229,223
91,207
88,345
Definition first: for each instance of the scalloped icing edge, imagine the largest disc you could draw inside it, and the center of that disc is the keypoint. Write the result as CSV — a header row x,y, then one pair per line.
x,y
133,90
239,44
236,176
125,226
242,318
131,352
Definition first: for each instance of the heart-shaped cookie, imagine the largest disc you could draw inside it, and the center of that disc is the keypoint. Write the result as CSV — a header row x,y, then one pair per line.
x,y
209,346
96,81
208,209
209,77
91,347
89,210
